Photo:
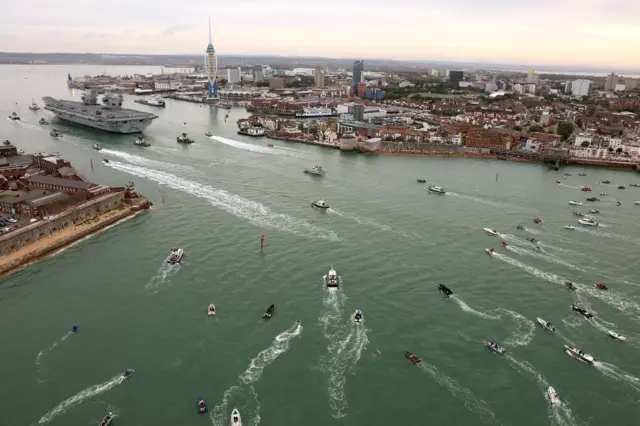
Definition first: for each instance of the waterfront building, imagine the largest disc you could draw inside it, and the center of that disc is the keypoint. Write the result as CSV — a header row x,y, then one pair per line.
x,y
358,67
211,67
580,87
610,82
234,75
583,138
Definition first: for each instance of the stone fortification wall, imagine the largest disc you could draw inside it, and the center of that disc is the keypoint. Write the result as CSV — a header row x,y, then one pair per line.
x,y
28,234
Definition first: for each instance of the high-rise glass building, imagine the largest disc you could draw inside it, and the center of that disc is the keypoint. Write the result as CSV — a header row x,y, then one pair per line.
x,y
358,66
211,67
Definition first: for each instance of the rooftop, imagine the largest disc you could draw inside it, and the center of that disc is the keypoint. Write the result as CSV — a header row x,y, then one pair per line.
x,y
50,180
14,197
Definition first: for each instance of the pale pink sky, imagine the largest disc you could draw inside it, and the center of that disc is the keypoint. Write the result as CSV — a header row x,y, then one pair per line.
x,y
602,33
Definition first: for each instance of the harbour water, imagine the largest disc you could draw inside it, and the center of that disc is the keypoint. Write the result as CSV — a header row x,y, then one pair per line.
x,y
390,241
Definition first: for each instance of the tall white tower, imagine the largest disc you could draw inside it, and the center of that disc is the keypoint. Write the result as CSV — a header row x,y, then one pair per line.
x,y
211,67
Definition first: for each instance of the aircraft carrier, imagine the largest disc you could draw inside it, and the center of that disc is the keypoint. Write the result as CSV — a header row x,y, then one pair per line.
x,y
110,117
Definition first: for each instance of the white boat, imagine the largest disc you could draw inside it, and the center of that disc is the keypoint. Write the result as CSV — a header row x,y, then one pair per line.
x,y
332,279
34,106
594,211
491,232
212,310
316,171
637,203
6,142
615,335
603,194
575,203
588,221
579,355
436,189
106,421
546,324
97,147
320,204
141,142
155,101
571,227
553,396
20,151
235,418
490,252
494,347
176,256
358,317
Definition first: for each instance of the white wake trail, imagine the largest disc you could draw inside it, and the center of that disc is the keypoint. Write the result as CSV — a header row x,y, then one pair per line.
x,y
257,148
50,348
142,161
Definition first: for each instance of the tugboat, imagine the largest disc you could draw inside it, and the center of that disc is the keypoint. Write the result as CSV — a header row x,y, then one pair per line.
x,y
43,122
316,171
14,117
436,190
34,106
183,138
141,142
97,147
320,204
54,133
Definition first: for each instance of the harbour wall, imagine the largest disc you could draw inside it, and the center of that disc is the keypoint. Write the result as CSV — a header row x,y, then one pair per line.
x,y
31,233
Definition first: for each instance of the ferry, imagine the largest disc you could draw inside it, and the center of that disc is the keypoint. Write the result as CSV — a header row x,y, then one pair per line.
x,y
315,112
253,131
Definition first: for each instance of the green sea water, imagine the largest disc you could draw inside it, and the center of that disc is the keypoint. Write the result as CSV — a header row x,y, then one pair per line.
x,y
390,241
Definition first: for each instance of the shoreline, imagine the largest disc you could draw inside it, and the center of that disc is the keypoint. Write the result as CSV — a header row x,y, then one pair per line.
x,y
66,238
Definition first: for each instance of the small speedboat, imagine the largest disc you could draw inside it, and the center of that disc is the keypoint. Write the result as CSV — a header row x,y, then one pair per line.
x,y
635,185
532,240
582,311
520,227
615,335
618,203
546,324
421,180
575,203
357,316
202,405
588,222
579,214
141,142
601,286
490,252
606,182
494,347
445,290
491,232
14,117
316,171
621,187
208,134
579,355
594,211
74,329
270,145
586,188
637,203
553,396
503,243
211,311
34,106
570,285
571,227
97,147
436,190
538,220
128,373
269,312
105,161
320,204
183,138
43,122
593,199
411,357
106,420
235,418
6,142
54,133
557,181
332,279
176,256
567,174
602,194
582,174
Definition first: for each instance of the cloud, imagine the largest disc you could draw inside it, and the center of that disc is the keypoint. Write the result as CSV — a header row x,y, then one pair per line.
x,y
175,29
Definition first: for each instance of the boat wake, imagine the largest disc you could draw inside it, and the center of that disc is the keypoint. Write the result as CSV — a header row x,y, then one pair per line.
x,y
244,393
469,309
615,373
558,414
546,276
471,401
141,161
47,350
361,221
543,256
487,202
81,396
256,148
258,214
523,333
165,272
347,341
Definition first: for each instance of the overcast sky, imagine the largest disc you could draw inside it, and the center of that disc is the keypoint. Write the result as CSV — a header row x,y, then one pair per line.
x,y
604,33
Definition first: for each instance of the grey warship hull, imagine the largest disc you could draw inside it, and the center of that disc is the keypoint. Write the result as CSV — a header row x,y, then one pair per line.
x,y
120,120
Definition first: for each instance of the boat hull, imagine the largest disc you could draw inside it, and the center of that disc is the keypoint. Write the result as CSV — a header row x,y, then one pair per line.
x,y
125,126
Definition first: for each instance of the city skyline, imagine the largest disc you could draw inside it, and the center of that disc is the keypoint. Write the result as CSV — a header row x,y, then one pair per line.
x,y
594,33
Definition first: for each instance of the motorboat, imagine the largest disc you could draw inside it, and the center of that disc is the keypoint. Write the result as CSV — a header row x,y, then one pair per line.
x,y
411,357
14,117
579,214
141,142
6,142
74,329
211,311
520,227
546,324
320,204
55,133
332,279
635,185
602,194
445,290
606,182
579,355
269,312
97,147
567,174
490,252
557,181
43,122
570,227
494,347
582,174
106,420
34,106
637,203
621,187
235,418
128,372
270,145
421,180
202,405
615,335
575,203
618,203
586,188
594,211
601,286
105,161
208,134
588,221
316,171
491,232
183,138
176,256
532,240
582,311
553,396
537,248
436,190
538,220
570,285
503,243
358,316
593,199
20,151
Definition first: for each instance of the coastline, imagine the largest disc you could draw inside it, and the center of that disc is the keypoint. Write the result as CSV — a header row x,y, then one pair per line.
x,y
65,238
